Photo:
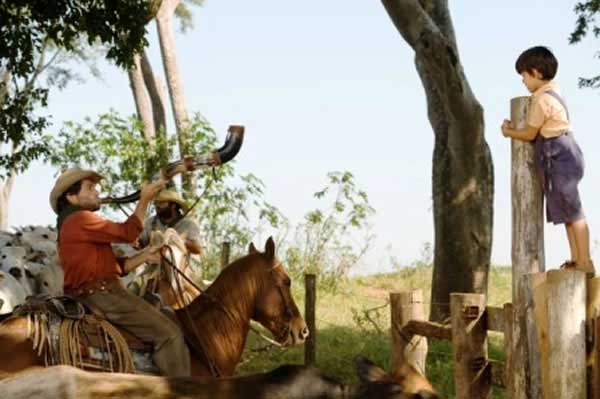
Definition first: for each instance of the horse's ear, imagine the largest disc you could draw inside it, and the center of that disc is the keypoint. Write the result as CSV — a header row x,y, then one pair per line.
x,y
252,248
270,248
367,371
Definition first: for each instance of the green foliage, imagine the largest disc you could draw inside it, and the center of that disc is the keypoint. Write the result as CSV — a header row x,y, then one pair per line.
x,y
587,12
114,146
327,242
26,28
184,14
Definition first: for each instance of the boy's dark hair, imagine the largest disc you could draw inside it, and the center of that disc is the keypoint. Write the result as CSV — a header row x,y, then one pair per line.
x,y
539,58
62,201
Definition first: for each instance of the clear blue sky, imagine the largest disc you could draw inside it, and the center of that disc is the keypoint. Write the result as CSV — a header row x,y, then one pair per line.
x,y
331,85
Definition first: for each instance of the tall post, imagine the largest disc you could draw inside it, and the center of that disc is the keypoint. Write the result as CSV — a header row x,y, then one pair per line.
x,y
560,315
407,306
225,251
310,346
527,250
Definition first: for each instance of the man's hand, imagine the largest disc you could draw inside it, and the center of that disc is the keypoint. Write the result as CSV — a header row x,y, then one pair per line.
x,y
149,190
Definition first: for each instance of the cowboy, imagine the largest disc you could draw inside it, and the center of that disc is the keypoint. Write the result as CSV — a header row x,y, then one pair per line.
x,y
91,270
170,212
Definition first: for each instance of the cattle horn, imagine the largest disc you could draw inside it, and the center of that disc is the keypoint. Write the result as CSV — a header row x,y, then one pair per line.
x,y
226,153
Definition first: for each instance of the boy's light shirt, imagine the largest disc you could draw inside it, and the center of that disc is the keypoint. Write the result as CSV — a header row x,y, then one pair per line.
x,y
547,113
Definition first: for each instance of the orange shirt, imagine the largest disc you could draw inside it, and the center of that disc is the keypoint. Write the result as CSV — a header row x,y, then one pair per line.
x,y
84,247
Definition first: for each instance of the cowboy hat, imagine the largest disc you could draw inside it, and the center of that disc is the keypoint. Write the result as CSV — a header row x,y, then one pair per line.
x,y
67,179
170,196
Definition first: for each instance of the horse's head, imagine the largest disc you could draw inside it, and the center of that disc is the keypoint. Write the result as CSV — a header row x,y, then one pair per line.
x,y
275,306
406,382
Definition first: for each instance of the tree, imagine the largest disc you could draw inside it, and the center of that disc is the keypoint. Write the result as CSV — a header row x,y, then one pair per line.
x,y
462,165
148,94
586,19
26,27
34,38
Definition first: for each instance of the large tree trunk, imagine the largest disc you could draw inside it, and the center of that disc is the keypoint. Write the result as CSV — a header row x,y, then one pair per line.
x,y
463,181
164,21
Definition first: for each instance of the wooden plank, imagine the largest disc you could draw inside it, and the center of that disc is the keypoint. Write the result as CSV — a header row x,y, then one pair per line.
x,y
428,329
406,306
495,318
472,374
310,346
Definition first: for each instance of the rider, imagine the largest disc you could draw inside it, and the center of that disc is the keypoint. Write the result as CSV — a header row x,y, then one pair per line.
x,y
170,212
91,269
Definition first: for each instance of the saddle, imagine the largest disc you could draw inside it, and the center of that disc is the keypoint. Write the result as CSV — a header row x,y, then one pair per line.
x,y
65,331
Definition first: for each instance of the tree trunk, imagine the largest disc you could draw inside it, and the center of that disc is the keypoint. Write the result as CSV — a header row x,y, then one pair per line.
x,y
462,166
5,190
144,112
157,99
164,21
142,103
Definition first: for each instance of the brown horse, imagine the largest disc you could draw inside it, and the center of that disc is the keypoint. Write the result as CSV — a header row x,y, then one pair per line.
x,y
289,382
215,324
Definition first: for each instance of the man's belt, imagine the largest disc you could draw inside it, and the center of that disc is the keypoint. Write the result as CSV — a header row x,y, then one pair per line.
x,y
89,288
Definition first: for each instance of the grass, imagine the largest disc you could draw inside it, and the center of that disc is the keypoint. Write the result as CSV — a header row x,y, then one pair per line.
x,y
355,319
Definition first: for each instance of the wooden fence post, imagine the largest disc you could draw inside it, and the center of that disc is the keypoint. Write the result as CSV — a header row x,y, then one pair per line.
x,y
406,306
594,378
225,251
310,346
592,334
560,316
527,249
472,373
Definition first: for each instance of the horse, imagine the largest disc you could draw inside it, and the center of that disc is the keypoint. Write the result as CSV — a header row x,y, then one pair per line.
x,y
215,324
288,381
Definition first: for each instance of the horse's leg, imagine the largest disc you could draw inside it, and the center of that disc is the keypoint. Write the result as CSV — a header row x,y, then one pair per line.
x,y
16,349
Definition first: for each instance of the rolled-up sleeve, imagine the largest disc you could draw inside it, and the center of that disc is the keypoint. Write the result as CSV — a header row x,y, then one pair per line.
x,y
99,230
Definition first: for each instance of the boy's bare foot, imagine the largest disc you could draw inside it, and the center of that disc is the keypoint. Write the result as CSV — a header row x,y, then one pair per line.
x,y
588,268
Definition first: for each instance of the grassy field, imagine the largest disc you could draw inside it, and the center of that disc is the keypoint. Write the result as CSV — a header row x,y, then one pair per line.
x,y
356,320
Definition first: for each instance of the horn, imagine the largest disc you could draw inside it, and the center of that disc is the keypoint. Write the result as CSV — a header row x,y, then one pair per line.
x,y
228,151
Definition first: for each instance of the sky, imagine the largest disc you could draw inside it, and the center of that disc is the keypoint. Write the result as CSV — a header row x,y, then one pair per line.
x,y
330,85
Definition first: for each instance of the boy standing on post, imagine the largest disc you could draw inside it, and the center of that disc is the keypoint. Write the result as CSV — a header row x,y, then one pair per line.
x,y
558,158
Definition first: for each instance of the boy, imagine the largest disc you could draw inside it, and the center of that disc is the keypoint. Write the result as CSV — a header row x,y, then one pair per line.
x,y
558,158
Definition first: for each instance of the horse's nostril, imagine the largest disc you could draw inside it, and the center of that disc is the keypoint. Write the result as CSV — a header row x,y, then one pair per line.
x,y
304,332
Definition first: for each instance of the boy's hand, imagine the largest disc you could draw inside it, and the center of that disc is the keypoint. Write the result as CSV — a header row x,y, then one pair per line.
x,y
506,125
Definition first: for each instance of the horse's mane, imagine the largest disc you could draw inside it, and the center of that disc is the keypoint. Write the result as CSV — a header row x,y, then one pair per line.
x,y
238,278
